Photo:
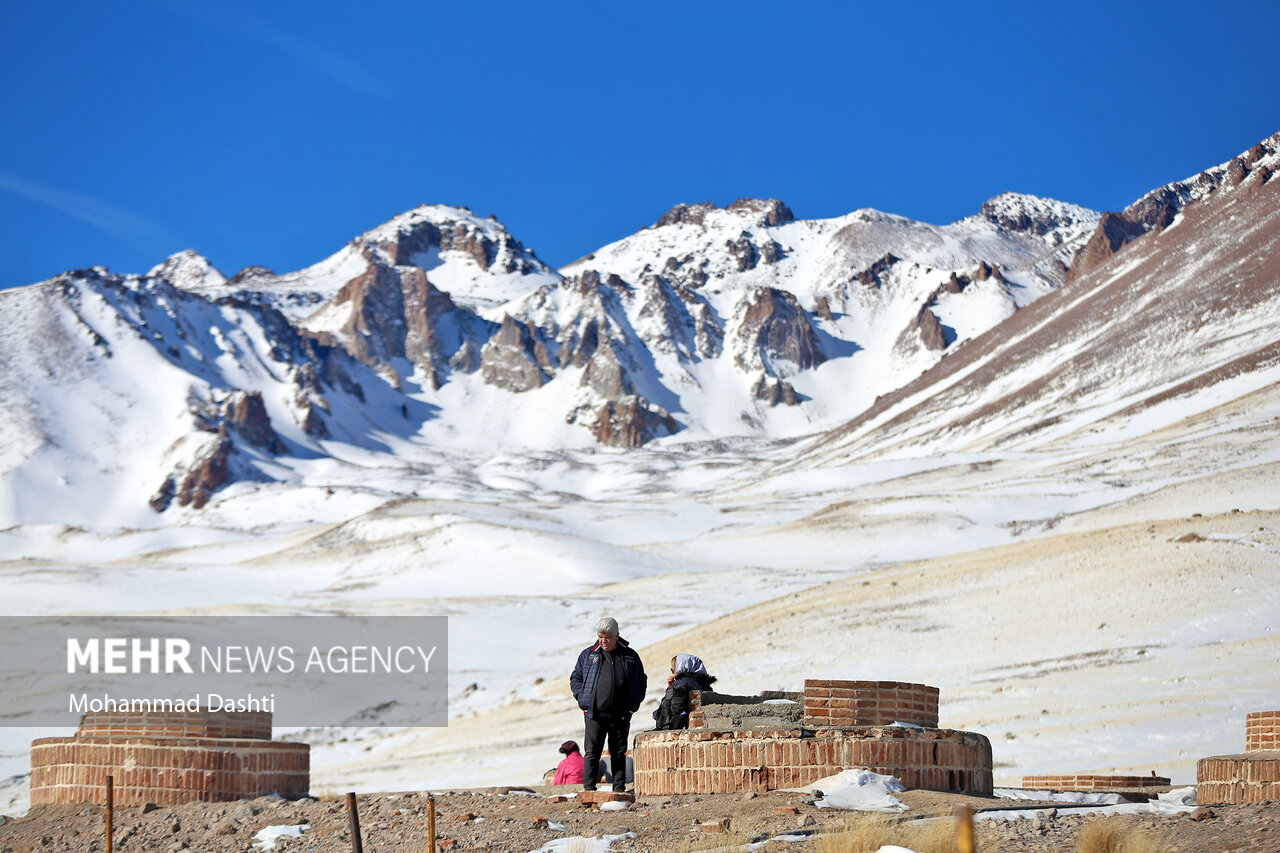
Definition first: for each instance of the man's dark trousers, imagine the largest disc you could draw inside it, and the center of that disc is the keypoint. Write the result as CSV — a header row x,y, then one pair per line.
x,y
616,730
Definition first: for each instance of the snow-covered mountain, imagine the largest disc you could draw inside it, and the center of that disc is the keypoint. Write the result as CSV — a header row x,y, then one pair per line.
x,y
439,327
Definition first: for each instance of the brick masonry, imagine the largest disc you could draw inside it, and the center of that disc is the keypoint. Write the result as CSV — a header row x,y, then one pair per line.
x,y
216,724
167,759
1093,782
703,762
1252,777
845,725
1262,731
868,703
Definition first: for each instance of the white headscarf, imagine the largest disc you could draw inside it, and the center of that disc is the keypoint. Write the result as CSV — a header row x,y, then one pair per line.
x,y
690,664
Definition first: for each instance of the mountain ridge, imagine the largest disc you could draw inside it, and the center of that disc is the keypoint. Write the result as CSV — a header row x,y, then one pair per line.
x,y
712,322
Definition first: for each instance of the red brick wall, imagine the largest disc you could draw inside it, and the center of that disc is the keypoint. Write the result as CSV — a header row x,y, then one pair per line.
x,y
849,704
1251,778
692,761
1262,731
165,771
216,724
1092,782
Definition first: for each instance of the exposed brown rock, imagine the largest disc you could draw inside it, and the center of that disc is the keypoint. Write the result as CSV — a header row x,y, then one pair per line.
x,y
744,252
772,211
1114,231
872,276
314,425
777,327
307,380
577,348
393,315
249,273
247,415
164,495
984,272
1236,171
210,473
630,422
931,333
604,375
509,361
685,214
956,284
506,255
775,392
823,309
467,358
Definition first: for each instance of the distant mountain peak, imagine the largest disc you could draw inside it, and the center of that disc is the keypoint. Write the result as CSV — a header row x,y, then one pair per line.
x,y
411,237
1032,214
762,212
188,270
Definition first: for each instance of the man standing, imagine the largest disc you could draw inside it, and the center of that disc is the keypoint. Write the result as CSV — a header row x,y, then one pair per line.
x,y
609,684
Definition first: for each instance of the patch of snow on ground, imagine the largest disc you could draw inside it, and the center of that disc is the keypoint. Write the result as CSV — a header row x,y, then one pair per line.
x,y
269,835
577,842
859,790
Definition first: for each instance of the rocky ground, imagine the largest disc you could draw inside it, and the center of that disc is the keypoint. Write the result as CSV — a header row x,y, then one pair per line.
x,y
521,820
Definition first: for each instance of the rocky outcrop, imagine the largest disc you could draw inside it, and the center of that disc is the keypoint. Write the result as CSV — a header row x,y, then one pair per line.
x,y
513,359
931,333
393,314
984,272
766,212
467,358
956,284
578,345
313,424
823,309
873,276
1026,214
744,252
775,392
685,214
769,211
1114,231
209,473
605,375
776,328
631,422
249,274
242,413
247,416
499,253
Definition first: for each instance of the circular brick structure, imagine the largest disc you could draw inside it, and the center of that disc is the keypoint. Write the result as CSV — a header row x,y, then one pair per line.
x,y
785,740
1228,779
168,759
1092,782
702,762
1253,777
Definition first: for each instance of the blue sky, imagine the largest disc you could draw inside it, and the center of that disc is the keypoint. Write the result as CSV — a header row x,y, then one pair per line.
x,y
271,133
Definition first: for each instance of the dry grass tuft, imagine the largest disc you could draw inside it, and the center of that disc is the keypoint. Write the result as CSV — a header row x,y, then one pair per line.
x,y
868,833
1114,835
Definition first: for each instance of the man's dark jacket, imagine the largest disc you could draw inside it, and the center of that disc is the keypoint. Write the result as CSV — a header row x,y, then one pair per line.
x,y
587,672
